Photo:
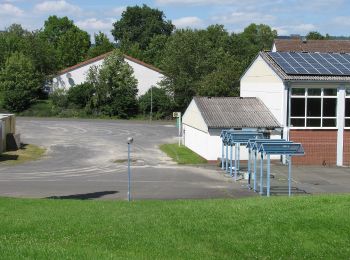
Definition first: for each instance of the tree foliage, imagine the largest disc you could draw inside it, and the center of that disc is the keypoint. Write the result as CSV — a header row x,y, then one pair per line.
x,y
115,87
137,26
102,45
19,82
314,35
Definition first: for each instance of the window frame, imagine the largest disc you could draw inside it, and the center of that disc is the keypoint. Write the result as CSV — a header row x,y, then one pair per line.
x,y
322,96
347,96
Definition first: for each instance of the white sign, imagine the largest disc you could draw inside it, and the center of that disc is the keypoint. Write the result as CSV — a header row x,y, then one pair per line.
x,y
176,114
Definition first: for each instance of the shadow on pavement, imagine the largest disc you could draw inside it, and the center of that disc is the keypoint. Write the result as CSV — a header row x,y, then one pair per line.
x,y
85,196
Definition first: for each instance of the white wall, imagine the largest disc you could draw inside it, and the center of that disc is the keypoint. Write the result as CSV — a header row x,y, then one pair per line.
x,y
194,118
262,82
146,77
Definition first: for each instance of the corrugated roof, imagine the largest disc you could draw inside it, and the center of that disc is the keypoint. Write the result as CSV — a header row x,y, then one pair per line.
x,y
298,45
235,112
301,77
101,57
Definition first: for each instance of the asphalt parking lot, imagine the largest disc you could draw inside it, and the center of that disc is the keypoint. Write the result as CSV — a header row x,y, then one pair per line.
x,y
87,159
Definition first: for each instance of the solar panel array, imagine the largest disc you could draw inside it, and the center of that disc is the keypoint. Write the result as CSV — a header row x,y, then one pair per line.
x,y
300,63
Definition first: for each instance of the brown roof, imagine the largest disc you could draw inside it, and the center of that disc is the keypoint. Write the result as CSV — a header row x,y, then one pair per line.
x,y
298,45
235,112
284,76
101,57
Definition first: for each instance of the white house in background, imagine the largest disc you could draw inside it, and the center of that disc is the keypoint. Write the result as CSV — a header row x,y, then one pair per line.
x,y
309,94
146,74
206,117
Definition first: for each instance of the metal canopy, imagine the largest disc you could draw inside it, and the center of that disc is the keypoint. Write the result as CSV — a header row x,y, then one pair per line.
x,y
243,137
254,144
282,148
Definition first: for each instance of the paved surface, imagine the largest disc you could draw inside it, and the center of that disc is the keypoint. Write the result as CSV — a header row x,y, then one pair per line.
x,y
80,163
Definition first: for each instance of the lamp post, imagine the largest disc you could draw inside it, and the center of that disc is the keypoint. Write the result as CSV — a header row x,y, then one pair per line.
x,y
130,141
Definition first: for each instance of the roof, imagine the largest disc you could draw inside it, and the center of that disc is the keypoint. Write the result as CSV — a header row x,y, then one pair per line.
x,y
301,77
298,45
235,112
101,57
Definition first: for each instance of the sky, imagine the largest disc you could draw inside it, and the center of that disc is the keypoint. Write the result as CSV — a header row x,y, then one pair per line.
x,y
286,16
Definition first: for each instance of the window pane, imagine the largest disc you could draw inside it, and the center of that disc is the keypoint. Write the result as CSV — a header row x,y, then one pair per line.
x,y
347,122
313,107
329,107
330,92
348,91
297,107
297,122
329,122
313,122
298,91
347,107
314,92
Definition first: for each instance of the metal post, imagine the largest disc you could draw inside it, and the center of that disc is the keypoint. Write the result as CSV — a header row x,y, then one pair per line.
x,y
261,172
290,176
231,161
129,174
150,114
236,153
222,155
249,170
268,176
226,157
255,159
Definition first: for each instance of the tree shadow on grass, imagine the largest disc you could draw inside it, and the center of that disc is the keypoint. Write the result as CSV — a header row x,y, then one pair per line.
x,y
84,196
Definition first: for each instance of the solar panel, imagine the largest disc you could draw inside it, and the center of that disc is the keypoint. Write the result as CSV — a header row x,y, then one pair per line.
x,y
300,63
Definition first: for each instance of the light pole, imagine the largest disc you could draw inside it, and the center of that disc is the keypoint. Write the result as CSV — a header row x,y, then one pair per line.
x,y
130,140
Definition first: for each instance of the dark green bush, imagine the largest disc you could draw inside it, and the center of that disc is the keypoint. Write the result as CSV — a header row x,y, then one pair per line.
x,y
80,95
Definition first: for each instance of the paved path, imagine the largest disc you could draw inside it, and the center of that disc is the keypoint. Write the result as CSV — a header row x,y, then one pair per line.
x,y
80,163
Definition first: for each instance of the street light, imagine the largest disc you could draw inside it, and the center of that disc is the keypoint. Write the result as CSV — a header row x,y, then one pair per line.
x,y
129,140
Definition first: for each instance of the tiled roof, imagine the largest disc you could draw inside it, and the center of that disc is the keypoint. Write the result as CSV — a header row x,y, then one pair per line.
x,y
235,112
284,76
298,45
101,57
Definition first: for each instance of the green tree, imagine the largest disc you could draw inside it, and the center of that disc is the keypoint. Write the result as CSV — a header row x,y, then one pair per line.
x,y
158,100
71,44
80,95
19,83
155,50
138,25
115,87
314,35
102,45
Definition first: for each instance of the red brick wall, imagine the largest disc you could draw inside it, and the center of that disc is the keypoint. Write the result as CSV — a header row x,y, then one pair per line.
x,y
346,156
320,146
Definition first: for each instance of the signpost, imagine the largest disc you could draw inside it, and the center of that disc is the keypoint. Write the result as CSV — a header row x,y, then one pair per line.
x,y
177,115
130,140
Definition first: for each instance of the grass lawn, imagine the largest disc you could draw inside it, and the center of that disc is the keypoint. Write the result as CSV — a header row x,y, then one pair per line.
x,y
181,154
28,152
277,228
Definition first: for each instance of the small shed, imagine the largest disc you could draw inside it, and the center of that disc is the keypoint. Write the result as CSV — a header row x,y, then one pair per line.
x,y
206,117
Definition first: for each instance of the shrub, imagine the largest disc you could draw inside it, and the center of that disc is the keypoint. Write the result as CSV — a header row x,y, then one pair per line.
x,y
80,95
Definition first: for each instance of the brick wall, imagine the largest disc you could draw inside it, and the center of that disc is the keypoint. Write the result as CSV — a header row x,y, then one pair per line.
x,y
346,156
320,146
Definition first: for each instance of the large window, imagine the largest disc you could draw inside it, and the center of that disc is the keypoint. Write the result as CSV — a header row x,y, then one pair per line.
x,y
347,108
314,107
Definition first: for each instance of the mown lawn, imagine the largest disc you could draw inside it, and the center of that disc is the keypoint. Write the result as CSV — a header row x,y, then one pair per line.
x,y
28,152
313,227
181,154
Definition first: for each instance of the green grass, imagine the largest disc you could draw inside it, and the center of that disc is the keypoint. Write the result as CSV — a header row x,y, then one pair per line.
x,y
181,154
27,153
313,227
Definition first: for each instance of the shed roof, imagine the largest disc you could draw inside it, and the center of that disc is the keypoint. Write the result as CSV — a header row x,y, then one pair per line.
x,y
101,57
235,112
300,77
298,45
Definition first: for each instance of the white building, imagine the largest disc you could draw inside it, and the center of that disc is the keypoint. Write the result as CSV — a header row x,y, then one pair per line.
x,y
309,94
206,117
146,74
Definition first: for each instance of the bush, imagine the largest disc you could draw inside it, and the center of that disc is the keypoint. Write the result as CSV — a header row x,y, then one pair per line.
x,y
80,95
59,98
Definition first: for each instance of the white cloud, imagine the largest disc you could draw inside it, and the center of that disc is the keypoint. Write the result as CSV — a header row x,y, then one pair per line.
x,y
297,29
190,21
341,21
10,10
95,24
57,6
118,10
243,18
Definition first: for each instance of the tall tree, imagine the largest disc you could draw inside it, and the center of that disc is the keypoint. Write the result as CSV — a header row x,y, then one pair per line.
x,y
115,87
102,45
71,43
314,35
138,25
19,82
